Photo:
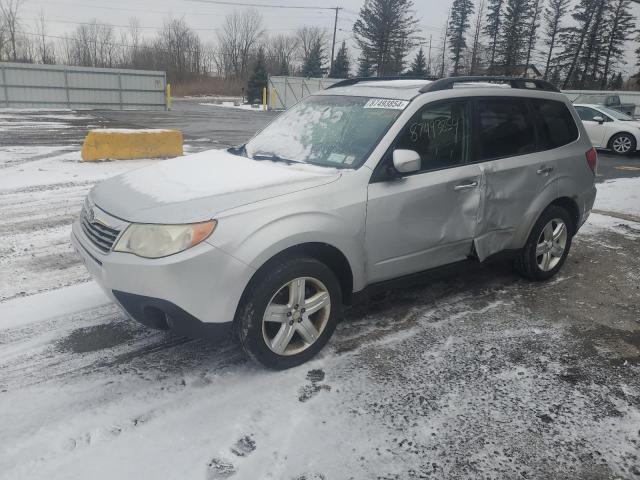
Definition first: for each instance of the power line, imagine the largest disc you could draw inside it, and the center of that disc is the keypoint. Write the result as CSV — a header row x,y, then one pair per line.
x,y
48,20
163,12
262,5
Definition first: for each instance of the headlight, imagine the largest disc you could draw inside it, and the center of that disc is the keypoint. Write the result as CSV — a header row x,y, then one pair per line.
x,y
155,241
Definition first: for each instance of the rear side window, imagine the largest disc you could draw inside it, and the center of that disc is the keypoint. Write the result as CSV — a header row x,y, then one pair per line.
x,y
556,126
506,128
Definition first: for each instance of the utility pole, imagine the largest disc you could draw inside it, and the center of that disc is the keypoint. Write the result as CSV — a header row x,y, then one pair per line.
x,y
429,64
333,44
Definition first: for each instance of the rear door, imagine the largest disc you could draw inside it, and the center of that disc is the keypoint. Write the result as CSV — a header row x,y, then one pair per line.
x,y
516,173
427,218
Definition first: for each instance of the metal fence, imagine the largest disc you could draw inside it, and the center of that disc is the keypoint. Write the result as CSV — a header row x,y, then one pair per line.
x,y
625,96
80,88
285,92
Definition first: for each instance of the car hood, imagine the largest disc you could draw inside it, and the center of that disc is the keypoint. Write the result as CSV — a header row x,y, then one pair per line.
x,y
198,187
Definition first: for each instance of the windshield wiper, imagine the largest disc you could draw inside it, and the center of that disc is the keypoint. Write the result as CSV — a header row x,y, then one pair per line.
x,y
272,157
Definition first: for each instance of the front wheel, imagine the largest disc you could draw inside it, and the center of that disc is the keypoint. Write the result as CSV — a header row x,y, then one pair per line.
x,y
548,245
623,144
289,312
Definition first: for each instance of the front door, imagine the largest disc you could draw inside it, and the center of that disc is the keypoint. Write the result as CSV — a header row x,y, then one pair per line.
x,y
428,218
597,131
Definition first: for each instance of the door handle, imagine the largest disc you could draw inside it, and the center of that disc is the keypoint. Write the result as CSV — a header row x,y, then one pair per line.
x,y
545,171
465,186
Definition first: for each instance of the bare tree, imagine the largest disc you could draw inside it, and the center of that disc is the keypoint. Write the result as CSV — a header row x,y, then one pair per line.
x,y
9,10
179,50
44,48
309,38
280,52
93,45
238,38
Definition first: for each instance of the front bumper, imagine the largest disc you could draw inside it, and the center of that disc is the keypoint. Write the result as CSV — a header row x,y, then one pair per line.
x,y
194,293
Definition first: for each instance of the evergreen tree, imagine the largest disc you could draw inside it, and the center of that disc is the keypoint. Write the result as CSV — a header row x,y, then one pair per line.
x,y
513,38
340,67
386,30
418,67
258,79
493,27
553,16
397,59
364,66
616,82
620,26
593,47
475,49
535,13
574,38
312,66
461,12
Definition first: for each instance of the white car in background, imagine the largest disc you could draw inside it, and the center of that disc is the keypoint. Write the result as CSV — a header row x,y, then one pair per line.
x,y
610,129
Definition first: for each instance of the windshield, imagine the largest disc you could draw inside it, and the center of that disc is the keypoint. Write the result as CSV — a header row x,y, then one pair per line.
x,y
336,131
616,114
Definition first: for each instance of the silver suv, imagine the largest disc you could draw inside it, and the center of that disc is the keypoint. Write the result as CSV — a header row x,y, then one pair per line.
x,y
369,181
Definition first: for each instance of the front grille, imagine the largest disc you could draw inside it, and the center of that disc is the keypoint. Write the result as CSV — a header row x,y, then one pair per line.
x,y
100,235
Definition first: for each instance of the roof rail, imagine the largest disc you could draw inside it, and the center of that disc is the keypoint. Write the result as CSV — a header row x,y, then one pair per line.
x,y
515,82
354,80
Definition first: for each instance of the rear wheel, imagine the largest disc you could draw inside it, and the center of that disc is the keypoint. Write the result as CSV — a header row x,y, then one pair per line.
x,y
289,312
548,245
623,144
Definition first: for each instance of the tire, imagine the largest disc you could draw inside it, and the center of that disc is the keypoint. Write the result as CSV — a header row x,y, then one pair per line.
x,y
281,285
623,144
546,250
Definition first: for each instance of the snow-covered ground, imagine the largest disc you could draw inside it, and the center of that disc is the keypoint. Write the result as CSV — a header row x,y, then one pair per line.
x,y
476,376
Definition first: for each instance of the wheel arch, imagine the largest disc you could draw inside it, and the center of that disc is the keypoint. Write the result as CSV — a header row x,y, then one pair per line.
x,y
568,203
571,206
328,254
613,135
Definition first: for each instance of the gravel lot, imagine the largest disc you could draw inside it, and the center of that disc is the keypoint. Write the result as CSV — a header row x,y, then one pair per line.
x,y
480,375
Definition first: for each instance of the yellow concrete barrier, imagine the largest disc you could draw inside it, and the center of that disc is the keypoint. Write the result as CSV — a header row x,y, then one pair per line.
x,y
123,144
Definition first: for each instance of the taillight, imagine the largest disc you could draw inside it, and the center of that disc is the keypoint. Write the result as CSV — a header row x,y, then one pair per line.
x,y
592,160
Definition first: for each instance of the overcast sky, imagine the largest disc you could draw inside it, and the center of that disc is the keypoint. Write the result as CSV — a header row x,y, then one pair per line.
x,y
205,17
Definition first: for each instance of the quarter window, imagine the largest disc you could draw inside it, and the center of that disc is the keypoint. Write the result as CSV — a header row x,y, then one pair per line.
x,y
439,132
506,128
556,126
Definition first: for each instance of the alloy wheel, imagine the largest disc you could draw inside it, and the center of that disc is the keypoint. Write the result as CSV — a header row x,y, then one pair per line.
x,y
551,244
622,144
296,316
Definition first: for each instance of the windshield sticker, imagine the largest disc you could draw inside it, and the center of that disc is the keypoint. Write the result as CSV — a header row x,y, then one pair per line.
x,y
336,158
386,103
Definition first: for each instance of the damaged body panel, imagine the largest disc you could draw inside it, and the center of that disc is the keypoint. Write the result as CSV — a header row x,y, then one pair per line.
x,y
513,193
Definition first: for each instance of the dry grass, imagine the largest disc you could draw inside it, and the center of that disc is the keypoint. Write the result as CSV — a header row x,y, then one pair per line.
x,y
207,86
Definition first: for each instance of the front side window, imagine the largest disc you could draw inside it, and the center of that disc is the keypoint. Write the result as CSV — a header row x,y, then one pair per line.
x,y
556,126
506,128
439,132
336,131
587,114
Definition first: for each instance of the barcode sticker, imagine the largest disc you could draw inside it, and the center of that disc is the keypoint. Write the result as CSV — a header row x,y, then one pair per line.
x,y
387,103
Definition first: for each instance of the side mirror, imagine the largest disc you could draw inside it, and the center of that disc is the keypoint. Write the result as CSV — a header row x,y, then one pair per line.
x,y
599,119
406,161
